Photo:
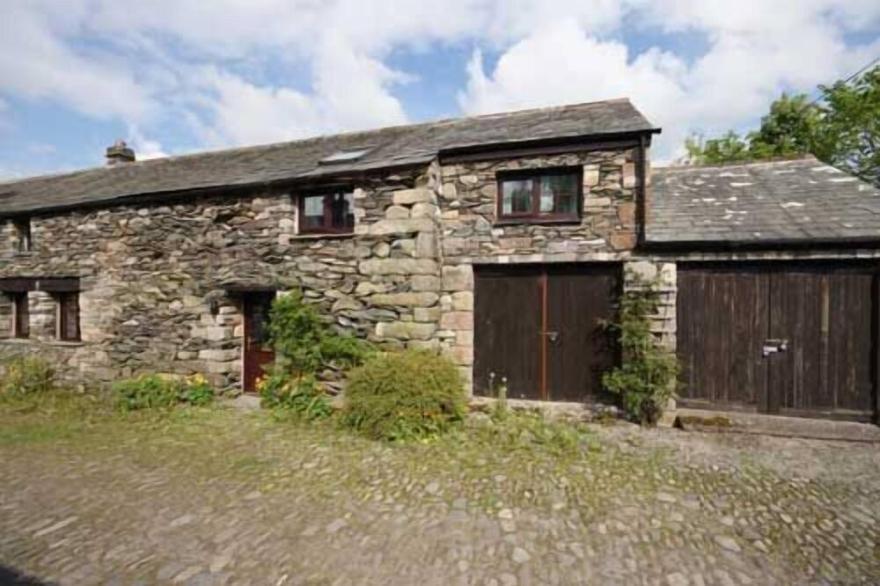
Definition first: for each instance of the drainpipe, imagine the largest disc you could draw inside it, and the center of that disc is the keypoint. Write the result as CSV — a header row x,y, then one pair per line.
x,y
642,193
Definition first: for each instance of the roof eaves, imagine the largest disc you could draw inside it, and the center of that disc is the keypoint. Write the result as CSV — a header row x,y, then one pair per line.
x,y
474,147
757,243
323,173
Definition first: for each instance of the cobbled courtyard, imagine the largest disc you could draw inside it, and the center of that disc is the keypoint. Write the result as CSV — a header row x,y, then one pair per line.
x,y
220,496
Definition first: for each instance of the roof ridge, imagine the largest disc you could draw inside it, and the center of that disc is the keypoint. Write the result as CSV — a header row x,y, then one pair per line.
x,y
752,163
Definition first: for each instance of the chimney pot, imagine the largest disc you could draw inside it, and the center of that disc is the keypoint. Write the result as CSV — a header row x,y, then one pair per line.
x,y
119,153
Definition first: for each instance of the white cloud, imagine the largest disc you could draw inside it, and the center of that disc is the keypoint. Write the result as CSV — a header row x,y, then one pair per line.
x,y
239,112
756,51
224,68
144,148
532,73
35,62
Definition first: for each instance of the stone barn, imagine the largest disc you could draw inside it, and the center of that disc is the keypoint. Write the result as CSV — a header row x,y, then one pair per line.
x,y
503,241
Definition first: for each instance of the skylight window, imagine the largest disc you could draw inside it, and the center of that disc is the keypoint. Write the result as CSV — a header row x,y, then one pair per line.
x,y
344,156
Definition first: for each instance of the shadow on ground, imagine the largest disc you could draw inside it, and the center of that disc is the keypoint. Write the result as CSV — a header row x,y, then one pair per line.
x,y
12,577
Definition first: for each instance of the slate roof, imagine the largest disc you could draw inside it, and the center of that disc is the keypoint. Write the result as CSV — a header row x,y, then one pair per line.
x,y
388,147
781,201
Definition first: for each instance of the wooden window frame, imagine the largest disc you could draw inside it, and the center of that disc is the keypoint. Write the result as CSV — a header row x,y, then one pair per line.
x,y
24,239
535,215
65,331
21,328
326,228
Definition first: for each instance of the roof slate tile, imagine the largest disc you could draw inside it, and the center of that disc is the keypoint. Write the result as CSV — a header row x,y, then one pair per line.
x,y
390,147
797,200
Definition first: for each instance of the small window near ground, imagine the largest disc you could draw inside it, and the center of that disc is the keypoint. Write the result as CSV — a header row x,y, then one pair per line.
x,y
68,317
22,227
541,195
327,213
20,315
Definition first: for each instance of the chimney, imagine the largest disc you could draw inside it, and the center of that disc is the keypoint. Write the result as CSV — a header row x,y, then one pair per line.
x,y
119,153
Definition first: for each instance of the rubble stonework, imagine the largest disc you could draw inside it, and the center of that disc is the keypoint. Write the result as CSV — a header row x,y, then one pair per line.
x,y
158,281
472,235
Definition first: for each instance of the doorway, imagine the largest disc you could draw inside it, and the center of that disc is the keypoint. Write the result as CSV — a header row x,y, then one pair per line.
x,y
257,351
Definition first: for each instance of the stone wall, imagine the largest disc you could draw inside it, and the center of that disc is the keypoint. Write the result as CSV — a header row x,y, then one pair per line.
x,y
608,218
155,279
471,234
158,280
663,273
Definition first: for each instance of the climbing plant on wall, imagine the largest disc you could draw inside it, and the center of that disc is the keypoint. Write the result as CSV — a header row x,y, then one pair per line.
x,y
646,378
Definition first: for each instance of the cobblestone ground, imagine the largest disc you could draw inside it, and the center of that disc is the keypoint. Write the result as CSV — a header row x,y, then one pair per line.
x,y
225,497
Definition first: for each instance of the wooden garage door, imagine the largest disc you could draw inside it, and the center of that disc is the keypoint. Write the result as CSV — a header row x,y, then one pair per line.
x,y
541,329
789,339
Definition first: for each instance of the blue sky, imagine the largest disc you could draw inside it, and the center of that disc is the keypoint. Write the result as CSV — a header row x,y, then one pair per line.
x,y
177,76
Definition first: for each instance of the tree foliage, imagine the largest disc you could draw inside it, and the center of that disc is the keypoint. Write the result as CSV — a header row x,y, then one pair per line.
x,y
842,129
850,137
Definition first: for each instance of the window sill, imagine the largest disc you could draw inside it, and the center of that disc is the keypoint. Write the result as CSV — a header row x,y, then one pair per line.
x,y
65,343
38,342
321,236
537,221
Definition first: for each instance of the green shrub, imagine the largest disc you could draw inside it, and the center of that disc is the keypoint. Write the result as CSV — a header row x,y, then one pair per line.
x,y
404,395
27,375
196,390
646,379
147,391
300,395
151,391
304,343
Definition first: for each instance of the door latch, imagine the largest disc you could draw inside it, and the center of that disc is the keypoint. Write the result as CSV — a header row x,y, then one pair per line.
x,y
773,346
552,336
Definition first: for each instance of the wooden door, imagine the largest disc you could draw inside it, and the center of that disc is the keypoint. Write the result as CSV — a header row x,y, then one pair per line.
x,y
722,321
507,331
579,347
541,328
795,339
823,315
257,352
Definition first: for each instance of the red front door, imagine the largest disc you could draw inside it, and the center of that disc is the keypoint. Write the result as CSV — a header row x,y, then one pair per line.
x,y
257,351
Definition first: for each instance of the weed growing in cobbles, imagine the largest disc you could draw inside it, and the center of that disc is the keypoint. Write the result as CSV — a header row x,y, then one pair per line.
x,y
525,473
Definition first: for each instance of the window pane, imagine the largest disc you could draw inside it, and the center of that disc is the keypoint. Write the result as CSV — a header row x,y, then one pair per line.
x,y
516,197
349,214
260,311
21,324
23,234
313,211
69,314
565,204
547,203
315,205
560,194
341,210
